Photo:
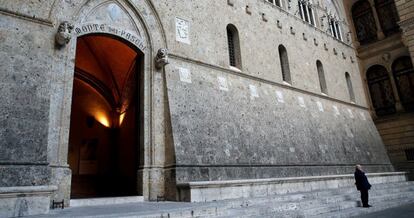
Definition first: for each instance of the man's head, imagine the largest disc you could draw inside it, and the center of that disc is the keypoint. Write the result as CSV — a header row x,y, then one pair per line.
x,y
358,167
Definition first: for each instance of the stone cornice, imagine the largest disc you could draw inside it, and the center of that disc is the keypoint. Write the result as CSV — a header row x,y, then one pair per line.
x,y
393,42
26,17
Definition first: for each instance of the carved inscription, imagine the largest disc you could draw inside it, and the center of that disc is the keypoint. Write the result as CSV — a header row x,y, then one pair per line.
x,y
104,28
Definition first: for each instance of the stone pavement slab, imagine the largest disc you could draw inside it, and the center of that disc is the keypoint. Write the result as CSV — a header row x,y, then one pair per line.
x,y
120,209
405,211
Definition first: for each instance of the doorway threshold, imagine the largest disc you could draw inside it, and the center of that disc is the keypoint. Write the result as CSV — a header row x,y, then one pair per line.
x,y
105,201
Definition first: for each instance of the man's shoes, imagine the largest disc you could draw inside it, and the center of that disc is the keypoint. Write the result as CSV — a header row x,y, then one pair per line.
x,y
367,205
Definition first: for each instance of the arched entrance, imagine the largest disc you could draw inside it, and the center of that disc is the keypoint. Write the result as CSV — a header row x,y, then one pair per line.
x,y
105,120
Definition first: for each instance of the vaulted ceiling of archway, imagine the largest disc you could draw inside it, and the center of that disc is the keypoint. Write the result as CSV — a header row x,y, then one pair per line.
x,y
108,62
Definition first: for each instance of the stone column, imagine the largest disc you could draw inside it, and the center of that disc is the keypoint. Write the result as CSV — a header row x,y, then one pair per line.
x,y
398,105
380,33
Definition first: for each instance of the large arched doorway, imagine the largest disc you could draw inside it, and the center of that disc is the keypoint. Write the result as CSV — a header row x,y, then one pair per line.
x,y
105,118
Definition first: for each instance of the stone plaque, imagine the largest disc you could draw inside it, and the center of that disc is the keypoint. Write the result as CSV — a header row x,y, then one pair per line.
x,y
253,91
363,116
336,110
320,106
279,96
182,30
185,75
301,101
222,82
351,115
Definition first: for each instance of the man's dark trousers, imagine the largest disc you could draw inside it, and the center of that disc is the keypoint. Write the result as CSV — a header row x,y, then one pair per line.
x,y
364,197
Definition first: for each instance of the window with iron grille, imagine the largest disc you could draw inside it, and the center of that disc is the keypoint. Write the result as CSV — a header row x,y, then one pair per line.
x,y
284,64
380,89
364,21
233,46
321,75
388,16
350,87
403,71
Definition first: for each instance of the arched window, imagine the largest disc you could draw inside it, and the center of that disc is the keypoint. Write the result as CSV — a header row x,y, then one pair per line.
x,y
365,27
403,71
234,46
275,2
306,11
333,18
284,64
335,28
380,90
388,16
321,75
350,88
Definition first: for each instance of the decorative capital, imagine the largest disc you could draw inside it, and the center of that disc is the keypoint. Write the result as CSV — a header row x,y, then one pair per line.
x,y
162,58
64,33
386,57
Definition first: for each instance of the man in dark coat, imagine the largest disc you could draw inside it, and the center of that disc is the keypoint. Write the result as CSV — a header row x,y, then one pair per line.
x,y
362,185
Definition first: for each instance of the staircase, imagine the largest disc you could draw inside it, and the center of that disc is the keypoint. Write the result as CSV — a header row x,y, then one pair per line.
x,y
339,202
342,202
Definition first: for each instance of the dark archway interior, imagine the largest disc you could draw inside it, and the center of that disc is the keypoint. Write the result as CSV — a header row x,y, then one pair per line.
x,y
104,129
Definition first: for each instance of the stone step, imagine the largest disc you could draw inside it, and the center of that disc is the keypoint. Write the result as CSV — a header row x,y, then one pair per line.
x,y
310,207
105,201
357,211
327,194
341,202
320,202
353,204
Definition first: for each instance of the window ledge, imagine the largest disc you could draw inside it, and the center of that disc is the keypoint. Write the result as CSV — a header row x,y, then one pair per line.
x,y
287,83
235,69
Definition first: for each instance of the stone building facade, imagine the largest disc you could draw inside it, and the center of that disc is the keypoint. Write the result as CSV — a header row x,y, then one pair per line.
x,y
383,40
148,95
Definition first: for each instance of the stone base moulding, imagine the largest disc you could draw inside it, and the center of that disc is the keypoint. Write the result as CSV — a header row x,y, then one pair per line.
x,y
233,189
25,200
